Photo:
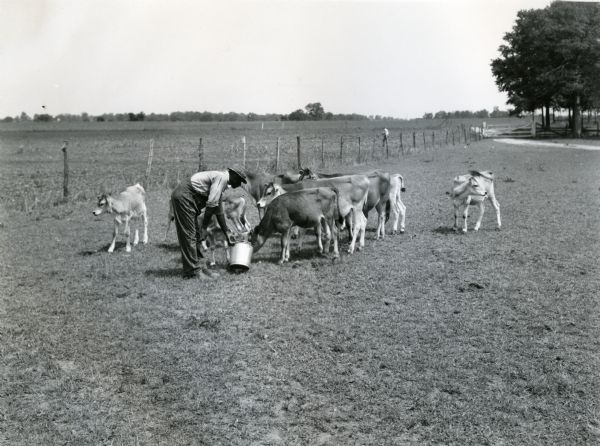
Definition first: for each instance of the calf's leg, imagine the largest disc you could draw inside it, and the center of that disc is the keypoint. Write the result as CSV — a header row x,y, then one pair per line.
x,y
145,222
111,248
496,206
481,205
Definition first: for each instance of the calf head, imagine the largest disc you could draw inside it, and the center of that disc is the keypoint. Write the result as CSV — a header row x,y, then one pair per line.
x,y
271,191
103,204
256,239
473,186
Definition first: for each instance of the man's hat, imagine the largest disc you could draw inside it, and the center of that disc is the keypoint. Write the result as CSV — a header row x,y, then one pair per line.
x,y
239,173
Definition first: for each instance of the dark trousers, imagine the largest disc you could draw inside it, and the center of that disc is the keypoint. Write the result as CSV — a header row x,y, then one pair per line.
x,y
187,205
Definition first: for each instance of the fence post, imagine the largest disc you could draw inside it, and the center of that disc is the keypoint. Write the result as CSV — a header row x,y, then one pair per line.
x,y
446,136
401,145
65,171
359,149
424,142
201,165
299,152
414,141
149,165
244,151
322,152
452,136
433,140
464,133
342,149
373,149
277,156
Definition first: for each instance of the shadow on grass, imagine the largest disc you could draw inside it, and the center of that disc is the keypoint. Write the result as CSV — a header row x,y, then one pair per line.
x,y
445,230
91,252
169,272
168,246
305,254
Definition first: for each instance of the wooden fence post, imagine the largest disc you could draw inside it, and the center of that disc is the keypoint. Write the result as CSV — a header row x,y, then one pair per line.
x,y
322,152
373,149
464,133
298,150
277,156
424,142
446,136
65,172
201,165
149,165
342,149
244,151
359,149
433,140
414,141
401,145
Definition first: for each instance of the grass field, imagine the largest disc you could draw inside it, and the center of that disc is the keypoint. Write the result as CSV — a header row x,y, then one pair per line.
x,y
430,337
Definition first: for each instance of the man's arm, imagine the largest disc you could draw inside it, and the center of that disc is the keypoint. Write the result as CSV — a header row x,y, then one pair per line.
x,y
218,212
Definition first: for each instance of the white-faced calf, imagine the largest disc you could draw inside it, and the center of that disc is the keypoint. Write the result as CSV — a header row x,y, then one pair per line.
x,y
470,189
128,205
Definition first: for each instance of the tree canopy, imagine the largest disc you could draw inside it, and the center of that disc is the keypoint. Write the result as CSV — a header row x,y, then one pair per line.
x,y
551,58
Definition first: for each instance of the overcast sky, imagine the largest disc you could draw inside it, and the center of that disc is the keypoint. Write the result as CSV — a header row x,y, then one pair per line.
x,y
391,58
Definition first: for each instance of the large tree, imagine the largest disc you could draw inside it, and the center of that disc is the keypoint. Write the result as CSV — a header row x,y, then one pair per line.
x,y
552,59
315,111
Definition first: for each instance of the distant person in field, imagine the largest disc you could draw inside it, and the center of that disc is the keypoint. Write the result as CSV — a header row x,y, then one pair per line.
x,y
204,190
386,133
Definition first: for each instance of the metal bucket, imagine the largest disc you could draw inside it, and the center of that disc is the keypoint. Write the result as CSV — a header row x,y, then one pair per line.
x,y
240,257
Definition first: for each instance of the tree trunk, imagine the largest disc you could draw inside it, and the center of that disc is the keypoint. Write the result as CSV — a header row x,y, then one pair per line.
x,y
577,118
547,117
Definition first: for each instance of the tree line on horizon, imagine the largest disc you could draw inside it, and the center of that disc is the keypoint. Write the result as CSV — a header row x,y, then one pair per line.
x,y
312,112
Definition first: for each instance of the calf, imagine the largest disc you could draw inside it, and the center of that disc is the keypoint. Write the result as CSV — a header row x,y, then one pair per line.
x,y
129,204
315,208
474,188
378,196
398,209
352,195
234,209
258,181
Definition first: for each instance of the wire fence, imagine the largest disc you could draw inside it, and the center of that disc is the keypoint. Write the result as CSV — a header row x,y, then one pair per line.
x,y
47,170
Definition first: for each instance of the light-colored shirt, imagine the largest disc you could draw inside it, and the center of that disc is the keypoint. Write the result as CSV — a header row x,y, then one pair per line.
x,y
212,184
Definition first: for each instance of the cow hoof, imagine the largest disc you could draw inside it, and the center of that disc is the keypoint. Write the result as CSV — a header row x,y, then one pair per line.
x,y
128,249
